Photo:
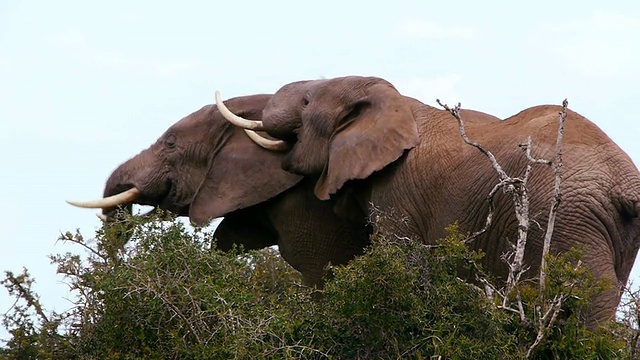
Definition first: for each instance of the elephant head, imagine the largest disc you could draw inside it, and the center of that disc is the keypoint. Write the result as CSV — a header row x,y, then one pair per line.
x,y
201,167
342,129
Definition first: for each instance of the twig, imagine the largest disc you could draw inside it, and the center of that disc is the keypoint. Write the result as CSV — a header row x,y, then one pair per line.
x,y
546,321
527,150
22,285
77,239
489,219
456,113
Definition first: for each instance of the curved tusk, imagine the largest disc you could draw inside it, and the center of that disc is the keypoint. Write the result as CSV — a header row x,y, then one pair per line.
x,y
124,197
273,145
235,119
102,217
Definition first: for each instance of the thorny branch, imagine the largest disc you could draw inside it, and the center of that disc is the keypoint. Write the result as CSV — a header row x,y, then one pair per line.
x,y
21,285
517,187
79,240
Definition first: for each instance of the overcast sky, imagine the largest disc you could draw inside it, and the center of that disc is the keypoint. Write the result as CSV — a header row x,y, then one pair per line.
x,y
86,85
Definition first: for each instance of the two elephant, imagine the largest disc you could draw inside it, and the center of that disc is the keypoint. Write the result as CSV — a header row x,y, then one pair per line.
x,y
204,167
349,145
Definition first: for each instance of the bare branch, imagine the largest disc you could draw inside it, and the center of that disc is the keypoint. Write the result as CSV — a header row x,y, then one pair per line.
x,y
518,190
547,320
456,113
489,219
527,149
557,197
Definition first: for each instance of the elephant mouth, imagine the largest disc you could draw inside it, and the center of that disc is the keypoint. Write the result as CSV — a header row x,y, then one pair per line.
x,y
154,213
168,203
164,200
124,199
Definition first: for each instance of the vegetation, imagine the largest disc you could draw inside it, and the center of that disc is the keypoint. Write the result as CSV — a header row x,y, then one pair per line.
x,y
170,294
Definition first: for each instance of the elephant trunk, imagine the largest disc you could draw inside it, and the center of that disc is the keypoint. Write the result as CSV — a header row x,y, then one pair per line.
x,y
121,189
122,181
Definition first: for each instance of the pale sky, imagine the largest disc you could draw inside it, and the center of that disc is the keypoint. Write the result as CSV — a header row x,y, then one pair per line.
x,y
84,85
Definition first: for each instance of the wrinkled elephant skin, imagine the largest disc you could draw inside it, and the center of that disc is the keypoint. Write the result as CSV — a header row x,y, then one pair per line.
x,y
358,136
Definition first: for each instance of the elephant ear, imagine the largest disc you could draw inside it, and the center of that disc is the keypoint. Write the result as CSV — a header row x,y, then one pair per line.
x,y
376,133
241,174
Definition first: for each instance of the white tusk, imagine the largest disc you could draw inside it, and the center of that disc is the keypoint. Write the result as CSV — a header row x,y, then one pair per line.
x,y
273,145
124,197
235,119
102,217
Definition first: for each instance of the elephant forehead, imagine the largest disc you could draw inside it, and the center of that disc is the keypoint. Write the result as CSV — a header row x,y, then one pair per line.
x,y
199,123
288,95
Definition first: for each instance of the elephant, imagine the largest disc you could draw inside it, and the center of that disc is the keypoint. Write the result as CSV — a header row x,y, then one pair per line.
x,y
205,168
368,148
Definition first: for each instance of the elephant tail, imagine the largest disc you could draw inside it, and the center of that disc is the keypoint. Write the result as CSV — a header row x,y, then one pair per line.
x,y
626,237
626,198
629,214
628,208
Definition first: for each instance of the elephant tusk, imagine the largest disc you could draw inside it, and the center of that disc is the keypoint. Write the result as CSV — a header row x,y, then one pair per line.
x,y
273,145
102,217
235,119
124,197
250,127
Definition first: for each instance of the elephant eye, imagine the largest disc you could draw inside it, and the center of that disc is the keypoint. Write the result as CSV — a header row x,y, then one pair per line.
x,y
170,141
305,99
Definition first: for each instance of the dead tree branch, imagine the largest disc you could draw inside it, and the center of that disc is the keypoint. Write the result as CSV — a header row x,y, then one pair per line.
x,y
455,111
546,321
517,188
557,197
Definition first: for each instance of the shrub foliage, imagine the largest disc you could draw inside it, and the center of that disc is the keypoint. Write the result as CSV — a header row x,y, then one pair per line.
x,y
170,294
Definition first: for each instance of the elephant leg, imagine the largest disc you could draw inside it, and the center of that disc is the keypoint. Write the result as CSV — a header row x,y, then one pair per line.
x,y
311,235
313,277
246,227
603,306
595,240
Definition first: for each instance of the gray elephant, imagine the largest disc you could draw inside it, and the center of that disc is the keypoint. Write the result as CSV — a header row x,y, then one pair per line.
x,y
368,146
205,168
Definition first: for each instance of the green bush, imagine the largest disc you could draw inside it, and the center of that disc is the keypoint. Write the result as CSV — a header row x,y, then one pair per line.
x,y
403,299
168,293
569,339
